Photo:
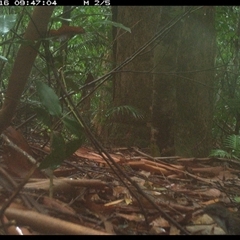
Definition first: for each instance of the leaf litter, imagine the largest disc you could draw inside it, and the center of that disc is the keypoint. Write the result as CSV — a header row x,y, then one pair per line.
x,y
89,198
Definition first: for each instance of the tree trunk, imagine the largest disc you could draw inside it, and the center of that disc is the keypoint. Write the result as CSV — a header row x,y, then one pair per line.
x,y
194,86
133,85
170,82
164,81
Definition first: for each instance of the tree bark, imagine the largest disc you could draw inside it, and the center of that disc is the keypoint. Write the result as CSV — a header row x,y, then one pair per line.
x,y
170,82
194,86
133,85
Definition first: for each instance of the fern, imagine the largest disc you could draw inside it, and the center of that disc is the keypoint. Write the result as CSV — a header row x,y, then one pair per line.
x,y
125,110
232,146
220,153
233,142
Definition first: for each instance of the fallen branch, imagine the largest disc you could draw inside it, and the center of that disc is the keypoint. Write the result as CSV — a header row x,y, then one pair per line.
x,y
46,224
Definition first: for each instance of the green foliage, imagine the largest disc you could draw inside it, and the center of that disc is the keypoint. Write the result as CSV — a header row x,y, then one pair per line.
x,y
7,22
58,150
236,199
115,24
232,145
73,126
125,110
220,153
233,142
227,84
13,22
3,58
73,145
107,117
43,116
49,99
89,52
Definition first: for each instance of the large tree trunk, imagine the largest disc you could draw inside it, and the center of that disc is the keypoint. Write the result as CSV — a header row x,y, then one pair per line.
x,y
133,85
152,90
194,92
163,95
169,82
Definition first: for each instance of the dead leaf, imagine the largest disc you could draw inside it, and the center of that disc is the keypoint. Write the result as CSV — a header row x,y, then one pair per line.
x,y
160,222
174,230
205,230
132,217
157,230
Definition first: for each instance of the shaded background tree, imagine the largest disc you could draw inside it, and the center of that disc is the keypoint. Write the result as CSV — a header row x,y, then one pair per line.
x,y
194,84
174,98
132,85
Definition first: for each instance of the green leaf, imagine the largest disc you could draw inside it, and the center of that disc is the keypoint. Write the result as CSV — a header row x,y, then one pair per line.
x,y
49,99
73,126
7,22
3,58
58,152
73,145
237,199
115,24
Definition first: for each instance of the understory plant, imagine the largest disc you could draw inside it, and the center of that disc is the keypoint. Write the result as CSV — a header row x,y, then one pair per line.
x,y
231,148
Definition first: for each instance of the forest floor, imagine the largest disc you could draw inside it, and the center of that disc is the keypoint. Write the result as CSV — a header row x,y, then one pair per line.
x,y
90,198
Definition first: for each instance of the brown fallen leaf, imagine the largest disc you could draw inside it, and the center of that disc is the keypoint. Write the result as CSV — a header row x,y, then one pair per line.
x,y
132,217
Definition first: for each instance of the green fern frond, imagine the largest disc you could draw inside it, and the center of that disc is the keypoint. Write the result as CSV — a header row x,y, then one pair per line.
x,y
125,110
220,153
233,142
